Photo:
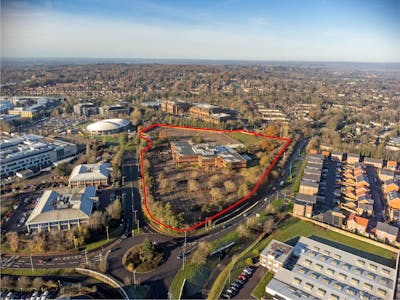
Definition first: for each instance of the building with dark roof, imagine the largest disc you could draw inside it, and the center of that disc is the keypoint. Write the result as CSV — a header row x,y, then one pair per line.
x,y
387,232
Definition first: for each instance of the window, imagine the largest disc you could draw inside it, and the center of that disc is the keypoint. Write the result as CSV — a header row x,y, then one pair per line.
x,y
354,281
319,266
327,252
333,297
296,281
308,286
326,280
302,270
312,253
342,276
368,286
373,267
357,271
351,291
337,256
360,262
382,292
314,275
307,262
337,286
330,271
334,262
316,248
321,292
346,267
385,271
371,276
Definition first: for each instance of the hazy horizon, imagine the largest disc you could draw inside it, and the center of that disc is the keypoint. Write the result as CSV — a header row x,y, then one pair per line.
x,y
232,30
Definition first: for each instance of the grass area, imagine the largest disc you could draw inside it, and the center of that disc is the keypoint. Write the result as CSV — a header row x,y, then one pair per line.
x,y
247,139
259,290
37,272
197,275
113,235
289,231
296,184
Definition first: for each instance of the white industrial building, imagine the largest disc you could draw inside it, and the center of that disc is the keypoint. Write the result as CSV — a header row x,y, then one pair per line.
x,y
108,126
62,209
90,174
23,152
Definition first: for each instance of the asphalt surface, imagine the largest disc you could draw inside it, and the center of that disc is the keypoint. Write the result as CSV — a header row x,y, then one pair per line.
x,y
160,279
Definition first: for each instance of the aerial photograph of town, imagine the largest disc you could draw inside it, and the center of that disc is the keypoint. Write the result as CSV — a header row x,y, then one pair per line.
x,y
210,149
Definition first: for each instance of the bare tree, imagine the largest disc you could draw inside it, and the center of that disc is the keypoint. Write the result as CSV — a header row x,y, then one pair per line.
x,y
13,241
199,257
230,186
193,185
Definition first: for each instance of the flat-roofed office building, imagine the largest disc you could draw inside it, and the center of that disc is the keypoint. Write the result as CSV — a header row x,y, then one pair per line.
x,y
325,272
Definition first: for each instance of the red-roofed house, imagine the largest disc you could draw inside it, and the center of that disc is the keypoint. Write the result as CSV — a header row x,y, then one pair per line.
x,y
357,223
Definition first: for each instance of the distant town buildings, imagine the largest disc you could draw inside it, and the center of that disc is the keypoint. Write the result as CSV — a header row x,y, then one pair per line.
x,y
316,270
22,152
62,209
90,174
207,155
114,111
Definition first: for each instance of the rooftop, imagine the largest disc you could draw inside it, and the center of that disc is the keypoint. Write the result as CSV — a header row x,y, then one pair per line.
x,y
63,204
90,172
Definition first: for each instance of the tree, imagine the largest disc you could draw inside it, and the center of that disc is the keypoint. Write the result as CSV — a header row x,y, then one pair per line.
x,y
136,117
243,231
264,161
230,186
272,130
8,282
199,257
62,169
114,209
147,250
213,181
13,241
243,190
96,220
193,185
249,261
37,283
268,225
253,223
164,183
216,193
24,282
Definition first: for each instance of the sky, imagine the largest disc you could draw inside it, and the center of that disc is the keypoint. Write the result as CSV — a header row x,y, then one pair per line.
x,y
272,30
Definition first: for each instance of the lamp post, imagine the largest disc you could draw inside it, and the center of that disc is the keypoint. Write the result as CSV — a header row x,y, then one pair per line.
x,y
107,233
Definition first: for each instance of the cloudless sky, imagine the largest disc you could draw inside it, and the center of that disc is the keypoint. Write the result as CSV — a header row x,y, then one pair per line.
x,y
302,30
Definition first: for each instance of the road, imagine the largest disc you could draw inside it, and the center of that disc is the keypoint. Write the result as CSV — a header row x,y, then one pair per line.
x,y
160,279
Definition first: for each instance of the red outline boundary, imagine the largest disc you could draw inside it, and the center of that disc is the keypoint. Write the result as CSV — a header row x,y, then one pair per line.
x,y
265,174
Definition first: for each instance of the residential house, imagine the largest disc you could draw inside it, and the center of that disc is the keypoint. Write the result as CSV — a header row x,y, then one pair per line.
x,y
385,174
377,163
357,223
391,165
387,232
308,187
303,205
391,185
353,158
337,156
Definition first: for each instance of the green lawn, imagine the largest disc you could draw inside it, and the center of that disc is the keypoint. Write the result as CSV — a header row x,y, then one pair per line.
x,y
37,272
247,139
291,229
259,291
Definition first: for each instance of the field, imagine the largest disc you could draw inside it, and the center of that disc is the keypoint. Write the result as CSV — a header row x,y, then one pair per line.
x,y
186,194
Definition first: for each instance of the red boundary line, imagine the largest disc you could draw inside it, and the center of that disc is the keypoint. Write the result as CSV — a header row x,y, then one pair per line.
x,y
265,174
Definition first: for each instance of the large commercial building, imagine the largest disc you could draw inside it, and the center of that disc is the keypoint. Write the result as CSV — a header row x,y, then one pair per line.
x,y
62,209
108,126
86,109
31,152
207,155
319,271
90,174
114,111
